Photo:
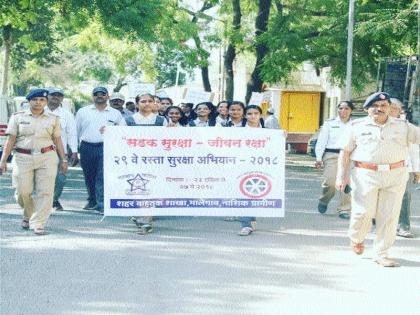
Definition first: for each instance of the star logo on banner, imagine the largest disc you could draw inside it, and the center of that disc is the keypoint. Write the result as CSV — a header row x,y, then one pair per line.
x,y
138,183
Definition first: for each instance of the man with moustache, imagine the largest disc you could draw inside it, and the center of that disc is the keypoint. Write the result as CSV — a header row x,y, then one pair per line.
x,y
68,137
117,101
91,121
377,147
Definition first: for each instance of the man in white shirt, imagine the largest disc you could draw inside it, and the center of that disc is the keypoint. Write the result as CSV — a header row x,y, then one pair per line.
x,y
397,109
327,151
68,137
117,101
91,121
271,121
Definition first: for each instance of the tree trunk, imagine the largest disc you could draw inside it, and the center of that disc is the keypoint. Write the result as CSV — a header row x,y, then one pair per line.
x,y
120,84
205,78
203,54
231,50
7,41
255,83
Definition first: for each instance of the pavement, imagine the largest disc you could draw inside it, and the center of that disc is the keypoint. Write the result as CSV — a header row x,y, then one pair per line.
x,y
299,264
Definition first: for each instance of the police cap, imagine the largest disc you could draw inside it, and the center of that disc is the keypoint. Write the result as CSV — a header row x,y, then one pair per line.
x,y
100,89
38,92
378,96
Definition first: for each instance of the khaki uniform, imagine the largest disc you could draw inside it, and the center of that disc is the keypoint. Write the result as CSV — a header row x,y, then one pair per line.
x,y
378,193
332,132
34,174
330,161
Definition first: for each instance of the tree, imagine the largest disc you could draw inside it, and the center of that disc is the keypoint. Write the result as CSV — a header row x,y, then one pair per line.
x,y
25,34
108,58
230,54
316,31
261,49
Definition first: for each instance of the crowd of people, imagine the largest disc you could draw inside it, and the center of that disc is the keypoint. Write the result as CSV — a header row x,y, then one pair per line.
x,y
365,160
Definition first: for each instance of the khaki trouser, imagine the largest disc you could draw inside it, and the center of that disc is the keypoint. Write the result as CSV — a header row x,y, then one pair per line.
x,y
376,194
330,161
34,178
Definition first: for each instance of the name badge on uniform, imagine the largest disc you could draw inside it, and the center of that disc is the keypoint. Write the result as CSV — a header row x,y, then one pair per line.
x,y
335,126
24,123
365,133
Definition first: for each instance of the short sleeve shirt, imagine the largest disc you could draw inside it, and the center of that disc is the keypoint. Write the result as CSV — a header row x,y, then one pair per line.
x,y
380,144
89,121
34,132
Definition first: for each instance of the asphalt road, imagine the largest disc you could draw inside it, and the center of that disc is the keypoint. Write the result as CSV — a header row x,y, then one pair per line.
x,y
300,264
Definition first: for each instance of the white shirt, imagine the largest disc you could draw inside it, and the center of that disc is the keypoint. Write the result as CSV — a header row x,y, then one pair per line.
x,y
147,120
68,127
200,123
271,122
414,158
220,120
89,120
330,136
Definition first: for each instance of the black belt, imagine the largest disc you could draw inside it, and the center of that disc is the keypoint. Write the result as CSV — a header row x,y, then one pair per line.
x,y
94,144
332,150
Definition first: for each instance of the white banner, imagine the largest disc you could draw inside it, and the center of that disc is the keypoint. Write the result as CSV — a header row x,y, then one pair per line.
x,y
256,99
135,88
194,171
196,96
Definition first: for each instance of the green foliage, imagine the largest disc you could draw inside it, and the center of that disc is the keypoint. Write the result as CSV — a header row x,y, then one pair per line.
x,y
316,30
30,24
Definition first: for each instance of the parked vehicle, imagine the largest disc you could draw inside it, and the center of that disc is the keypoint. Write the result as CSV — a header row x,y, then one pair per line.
x,y
312,143
7,108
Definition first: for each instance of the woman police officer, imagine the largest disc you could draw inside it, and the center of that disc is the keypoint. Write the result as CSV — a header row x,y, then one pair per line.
x,y
34,134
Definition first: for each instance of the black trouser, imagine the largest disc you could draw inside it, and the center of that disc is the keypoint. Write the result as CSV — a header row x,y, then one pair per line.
x,y
92,163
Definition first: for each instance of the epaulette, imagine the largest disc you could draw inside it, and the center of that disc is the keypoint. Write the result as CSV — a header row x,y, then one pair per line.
x,y
19,112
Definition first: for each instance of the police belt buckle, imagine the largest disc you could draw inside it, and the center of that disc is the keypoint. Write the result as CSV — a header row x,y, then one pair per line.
x,y
35,152
383,167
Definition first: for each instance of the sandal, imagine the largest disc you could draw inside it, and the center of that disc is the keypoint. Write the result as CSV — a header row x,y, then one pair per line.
x,y
40,231
25,224
358,248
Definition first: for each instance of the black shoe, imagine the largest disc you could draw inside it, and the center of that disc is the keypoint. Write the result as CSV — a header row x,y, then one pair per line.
x,y
145,229
57,205
136,222
344,215
89,206
98,209
322,208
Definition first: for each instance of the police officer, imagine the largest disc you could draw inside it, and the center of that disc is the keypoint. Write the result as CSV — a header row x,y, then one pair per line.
x,y
34,134
377,146
326,151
